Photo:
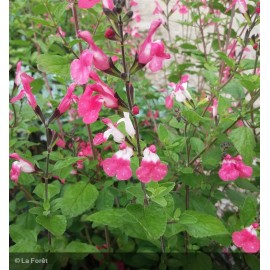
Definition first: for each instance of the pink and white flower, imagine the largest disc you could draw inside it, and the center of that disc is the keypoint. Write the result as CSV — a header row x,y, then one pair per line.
x,y
151,169
233,168
100,59
183,9
180,92
214,108
119,164
247,239
26,91
91,102
241,5
118,136
80,68
128,124
18,166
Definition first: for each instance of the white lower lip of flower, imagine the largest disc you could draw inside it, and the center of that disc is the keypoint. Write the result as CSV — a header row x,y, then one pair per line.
x,y
25,167
149,156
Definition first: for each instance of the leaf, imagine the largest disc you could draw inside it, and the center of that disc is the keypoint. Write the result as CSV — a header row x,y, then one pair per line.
x,y
53,189
61,164
165,134
59,9
245,184
186,219
55,224
197,144
111,217
25,247
19,234
54,64
105,199
244,142
205,226
193,117
234,88
211,158
210,76
151,218
79,247
78,198
248,211
41,21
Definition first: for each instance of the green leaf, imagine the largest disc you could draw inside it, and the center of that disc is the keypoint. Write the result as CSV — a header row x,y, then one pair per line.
x,y
19,234
41,21
211,158
62,164
54,64
246,184
53,189
205,226
193,117
105,199
211,77
244,142
186,219
151,218
111,217
234,88
55,224
166,135
196,144
78,198
248,211
25,247
79,247
59,9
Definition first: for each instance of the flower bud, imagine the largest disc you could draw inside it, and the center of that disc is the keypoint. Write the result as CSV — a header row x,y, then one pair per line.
x,y
135,110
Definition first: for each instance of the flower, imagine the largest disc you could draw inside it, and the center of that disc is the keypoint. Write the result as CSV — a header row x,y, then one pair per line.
x,y
60,32
26,91
118,136
158,9
233,168
90,105
135,110
18,166
68,99
180,92
128,124
241,4
90,3
247,239
183,9
80,68
133,3
150,50
151,168
214,108
119,164
100,59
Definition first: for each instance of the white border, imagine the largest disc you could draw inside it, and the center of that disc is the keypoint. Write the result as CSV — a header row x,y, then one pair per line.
x,y
4,121
265,134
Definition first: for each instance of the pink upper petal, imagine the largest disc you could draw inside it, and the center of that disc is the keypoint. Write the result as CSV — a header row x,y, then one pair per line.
x,y
67,100
15,171
18,97
99,139
87,3
80,68
18,73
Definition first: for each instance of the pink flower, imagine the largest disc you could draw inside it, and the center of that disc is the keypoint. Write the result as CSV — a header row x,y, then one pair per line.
x,y
214,108
80,68
100,59
180,92
18,73
118,136
233,168
183,9
91,102
18,166
151,168
158,9
133,3
159,55
26,91
135,110
152,52
68,99
247,239
91,3
241,4
85,150
174,8
60,32
137,16
61,143
119,164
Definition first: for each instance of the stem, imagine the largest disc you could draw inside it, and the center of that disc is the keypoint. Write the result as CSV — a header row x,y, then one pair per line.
x,y
129,98
107,238
76,21
202,34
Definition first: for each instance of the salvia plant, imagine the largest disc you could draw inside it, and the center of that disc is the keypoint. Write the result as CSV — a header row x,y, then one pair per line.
x,y
135,146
